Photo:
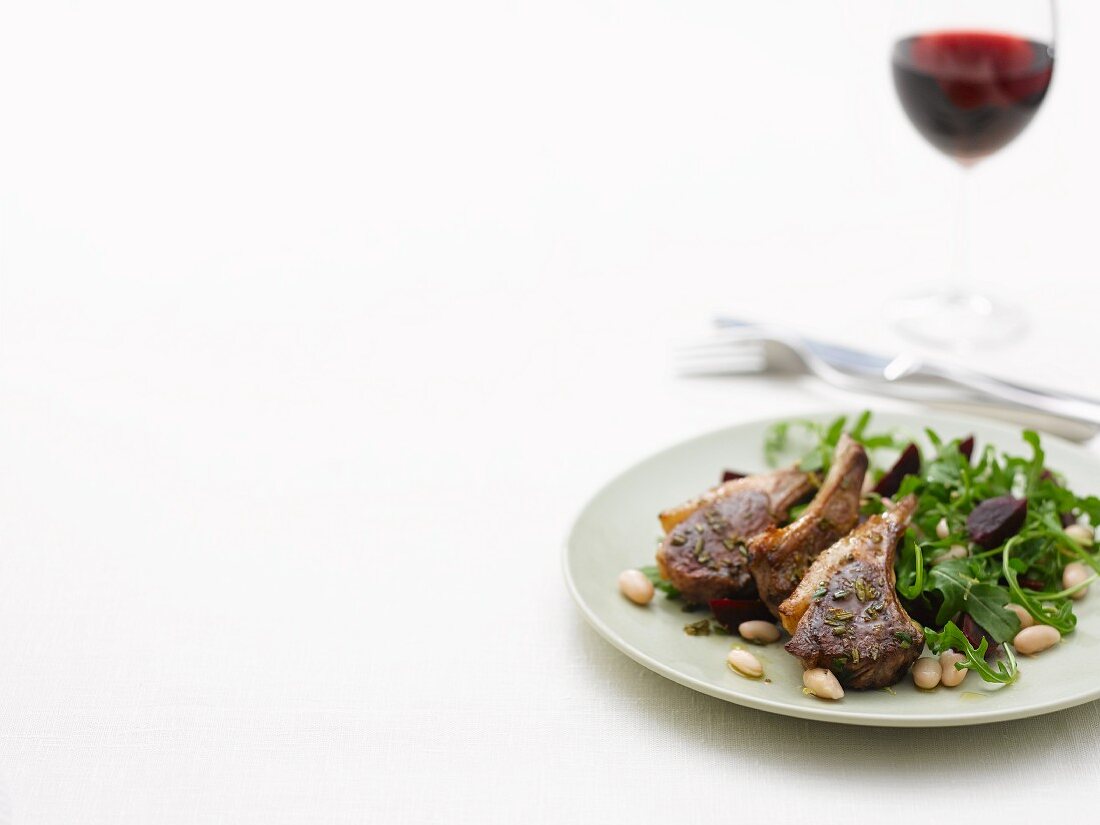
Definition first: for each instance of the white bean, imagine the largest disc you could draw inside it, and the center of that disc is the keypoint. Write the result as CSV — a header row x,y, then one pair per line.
x,y
942,530
1035,639
1074,573
868,483
822,683
926,673
759,632
1026,619
949,676
956,551
636,586
745,663
1081,534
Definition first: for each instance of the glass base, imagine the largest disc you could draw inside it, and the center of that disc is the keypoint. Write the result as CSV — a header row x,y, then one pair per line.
x,y
958,320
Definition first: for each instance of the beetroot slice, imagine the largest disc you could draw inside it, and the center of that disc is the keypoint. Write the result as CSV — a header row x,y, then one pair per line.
x,y
920,610
972,630
966,447
1067,519
1030,584
731,612
974,634
908,464
731,475
995,520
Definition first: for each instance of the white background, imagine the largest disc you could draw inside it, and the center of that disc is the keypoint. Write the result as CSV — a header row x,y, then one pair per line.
x,y
318,323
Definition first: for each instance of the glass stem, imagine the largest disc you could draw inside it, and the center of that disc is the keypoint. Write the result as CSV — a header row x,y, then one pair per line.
x,y
961,276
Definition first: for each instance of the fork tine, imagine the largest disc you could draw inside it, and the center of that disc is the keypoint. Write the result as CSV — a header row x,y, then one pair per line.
x,y
709,347
720,350
719,362
725,340
702,356
718,368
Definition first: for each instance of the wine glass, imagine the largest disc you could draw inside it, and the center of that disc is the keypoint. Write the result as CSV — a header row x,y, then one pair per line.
x,y
970,75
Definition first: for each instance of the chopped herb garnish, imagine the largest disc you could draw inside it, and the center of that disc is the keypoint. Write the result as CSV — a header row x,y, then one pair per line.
x,y
871,611
838,620
699,628
864,591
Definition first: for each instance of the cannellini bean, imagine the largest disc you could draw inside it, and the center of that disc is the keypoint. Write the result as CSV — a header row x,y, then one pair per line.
x,y
942,530
1081,534
868,483
745,663
1035,639
636,586
1026,619
1074,573
822,683
758,631
949,676
956,551
926,673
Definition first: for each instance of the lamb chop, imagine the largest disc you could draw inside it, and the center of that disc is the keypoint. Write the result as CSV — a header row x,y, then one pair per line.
x,y
779,557
845,615
704,554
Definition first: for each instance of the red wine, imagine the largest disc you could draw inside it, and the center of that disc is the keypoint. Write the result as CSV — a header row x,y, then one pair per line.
x,y
970,93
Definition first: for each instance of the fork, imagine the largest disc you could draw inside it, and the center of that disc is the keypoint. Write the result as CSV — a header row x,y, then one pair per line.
x,y
739,347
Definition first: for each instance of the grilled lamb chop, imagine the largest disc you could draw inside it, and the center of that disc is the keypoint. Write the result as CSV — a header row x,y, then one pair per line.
x,y
779,557
704,553
845,614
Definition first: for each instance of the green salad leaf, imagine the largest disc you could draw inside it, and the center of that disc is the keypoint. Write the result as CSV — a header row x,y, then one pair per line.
x,y
653,573
910,568
814,443
957,580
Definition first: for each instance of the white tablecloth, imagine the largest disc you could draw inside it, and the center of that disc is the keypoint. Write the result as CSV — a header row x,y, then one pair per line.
x,y
320,321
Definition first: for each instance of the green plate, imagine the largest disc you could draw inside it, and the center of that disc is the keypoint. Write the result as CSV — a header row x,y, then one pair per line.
x,y
618,529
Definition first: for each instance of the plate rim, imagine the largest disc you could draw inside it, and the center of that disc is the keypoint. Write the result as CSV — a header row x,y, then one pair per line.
x,y
821,712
